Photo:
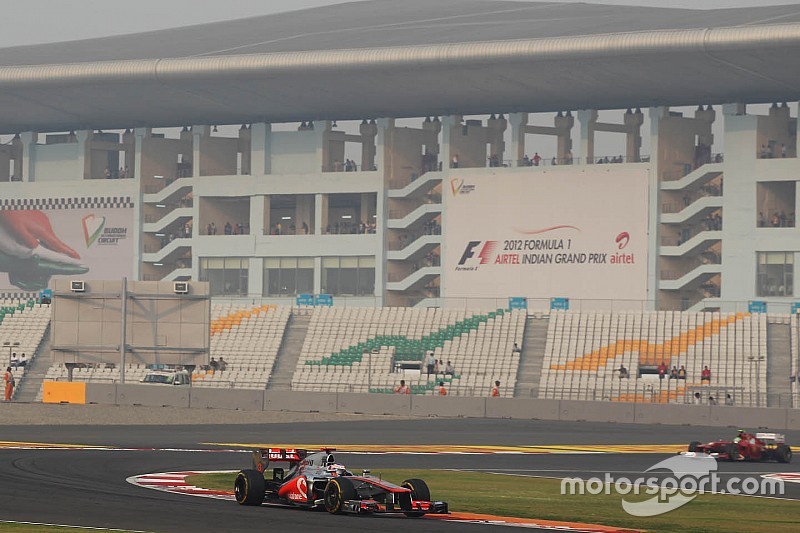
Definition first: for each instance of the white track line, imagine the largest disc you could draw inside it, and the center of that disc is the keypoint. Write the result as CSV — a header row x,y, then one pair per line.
x,y
42,524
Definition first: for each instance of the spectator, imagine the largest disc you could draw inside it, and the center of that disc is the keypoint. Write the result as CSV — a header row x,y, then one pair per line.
x,y
682,372
728,399
697,400
783,150
442,390
430,362
536,159
662,370
228,229
23,360
705,375
623,372
495,390
449,369
107,173
516,348
305,228
213,229
14,360
223,364
402,388
213,365
712,400
8,378
673,374
526,161
454,161
439,368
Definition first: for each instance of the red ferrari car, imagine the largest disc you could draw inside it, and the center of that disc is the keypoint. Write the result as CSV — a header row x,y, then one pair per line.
x,y
316,481
747,447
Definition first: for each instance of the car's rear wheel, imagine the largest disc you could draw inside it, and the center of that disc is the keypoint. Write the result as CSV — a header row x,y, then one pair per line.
x,y
783,454
249,487
732,450
337,492
693,445
419,492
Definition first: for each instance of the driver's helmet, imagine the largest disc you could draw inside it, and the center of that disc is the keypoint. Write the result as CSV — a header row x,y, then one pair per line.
x,y
739,436
336,469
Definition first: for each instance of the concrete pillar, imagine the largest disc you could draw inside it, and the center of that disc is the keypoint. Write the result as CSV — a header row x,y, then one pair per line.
x,y
255,276
129,142
586,120
198,133
140,134
383,152
245,149
317,275
85,152
261,148
369,134
18,151
496,128
257,218
633,121
518,122
320,213
448,123
322,130
563,123
29,139
304,212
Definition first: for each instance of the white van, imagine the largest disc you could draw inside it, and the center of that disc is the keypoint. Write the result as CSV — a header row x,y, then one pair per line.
x,y
165,377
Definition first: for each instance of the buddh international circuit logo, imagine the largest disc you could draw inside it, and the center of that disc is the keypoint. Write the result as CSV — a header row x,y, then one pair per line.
x,y
457,186
92,228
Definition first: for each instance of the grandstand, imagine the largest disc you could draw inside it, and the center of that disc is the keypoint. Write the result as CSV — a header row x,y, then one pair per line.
x,y
364,349
585,351
23,325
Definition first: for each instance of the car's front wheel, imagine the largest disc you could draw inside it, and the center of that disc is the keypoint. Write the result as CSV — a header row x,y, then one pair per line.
x,y
419,492
249,487
732,450
337,492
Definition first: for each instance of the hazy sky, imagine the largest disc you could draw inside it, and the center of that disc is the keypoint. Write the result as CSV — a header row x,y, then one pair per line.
x,y
38,21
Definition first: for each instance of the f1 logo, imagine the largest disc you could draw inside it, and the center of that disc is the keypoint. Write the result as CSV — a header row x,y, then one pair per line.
x,y
484,254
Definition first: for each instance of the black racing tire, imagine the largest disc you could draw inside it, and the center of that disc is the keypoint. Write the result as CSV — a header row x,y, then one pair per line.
x,y
249,487
419,491
733,451
783,454
337,492
693,445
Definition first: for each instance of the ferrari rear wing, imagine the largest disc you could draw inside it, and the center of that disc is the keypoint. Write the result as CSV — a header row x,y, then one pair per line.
x,y
778,438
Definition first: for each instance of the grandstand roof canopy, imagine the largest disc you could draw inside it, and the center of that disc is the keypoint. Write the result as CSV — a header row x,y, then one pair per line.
x,y
411,58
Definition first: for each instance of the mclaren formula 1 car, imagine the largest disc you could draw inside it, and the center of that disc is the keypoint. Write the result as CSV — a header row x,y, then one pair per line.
x,y
316,481
746,447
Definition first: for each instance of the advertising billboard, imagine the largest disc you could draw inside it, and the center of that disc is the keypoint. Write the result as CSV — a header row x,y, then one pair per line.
x,y
80,238
566,233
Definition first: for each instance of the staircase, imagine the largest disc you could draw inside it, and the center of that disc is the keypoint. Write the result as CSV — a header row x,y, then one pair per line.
x,y
289,353
779,366
531,358
31,385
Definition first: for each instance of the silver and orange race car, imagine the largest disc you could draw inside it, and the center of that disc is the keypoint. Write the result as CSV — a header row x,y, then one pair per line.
x,y
315,480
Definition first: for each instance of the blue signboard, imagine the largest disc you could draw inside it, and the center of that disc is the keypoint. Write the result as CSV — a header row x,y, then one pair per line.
x,y
756,306
324,299
559,304
46,294
517,302
305,299
796,308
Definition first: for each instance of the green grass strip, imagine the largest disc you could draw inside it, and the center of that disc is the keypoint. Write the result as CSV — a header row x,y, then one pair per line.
x,y
540,498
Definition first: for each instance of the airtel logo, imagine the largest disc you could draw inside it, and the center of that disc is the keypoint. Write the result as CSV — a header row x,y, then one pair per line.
x,y
622,240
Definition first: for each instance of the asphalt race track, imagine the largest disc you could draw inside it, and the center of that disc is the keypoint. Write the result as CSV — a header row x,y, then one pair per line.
x,y
88,487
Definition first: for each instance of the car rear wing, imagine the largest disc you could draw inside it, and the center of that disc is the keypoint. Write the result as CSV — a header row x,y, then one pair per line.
x,y
778,438
263,456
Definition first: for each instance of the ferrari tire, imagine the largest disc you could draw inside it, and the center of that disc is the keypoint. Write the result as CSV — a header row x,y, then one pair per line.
x,y
337,492
732,450
249,487
693,445
783,454
419,491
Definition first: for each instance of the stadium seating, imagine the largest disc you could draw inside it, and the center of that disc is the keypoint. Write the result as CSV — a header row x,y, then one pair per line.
x,y
24,322
247,337
585,350
363,349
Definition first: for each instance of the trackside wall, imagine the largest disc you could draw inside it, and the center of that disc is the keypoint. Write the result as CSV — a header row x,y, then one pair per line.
x,y
429,406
